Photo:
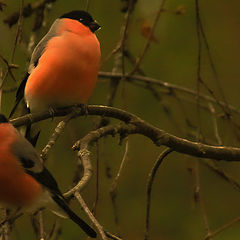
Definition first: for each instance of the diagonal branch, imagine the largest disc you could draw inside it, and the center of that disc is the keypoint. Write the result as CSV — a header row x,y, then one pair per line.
x,y
147,44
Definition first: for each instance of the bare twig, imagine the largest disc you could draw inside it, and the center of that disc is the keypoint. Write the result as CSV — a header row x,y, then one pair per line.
x,y
119,55
215,126
148,42
169,86
55,232
57,132
5,228
199,78
94,209
90,215
212,64
41,225
10,66
115,181
199,199
221,229
113,191
19,30
111,236
151,177
225,107
221,173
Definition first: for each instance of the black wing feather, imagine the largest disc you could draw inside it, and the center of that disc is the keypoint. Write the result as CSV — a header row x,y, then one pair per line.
x,y
85,227
47,180
27,163
20,93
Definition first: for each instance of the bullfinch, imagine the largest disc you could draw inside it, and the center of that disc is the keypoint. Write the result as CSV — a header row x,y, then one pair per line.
x,y
24,181
64,65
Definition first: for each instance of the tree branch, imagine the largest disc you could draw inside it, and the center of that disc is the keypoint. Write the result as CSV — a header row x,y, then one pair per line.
x,y
135,125
168,86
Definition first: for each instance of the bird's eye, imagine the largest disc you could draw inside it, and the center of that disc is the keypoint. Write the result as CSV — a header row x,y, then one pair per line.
x,y
83,21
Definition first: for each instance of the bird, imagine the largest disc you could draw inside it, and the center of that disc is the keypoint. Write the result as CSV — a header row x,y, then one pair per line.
x,y
25,182
64,65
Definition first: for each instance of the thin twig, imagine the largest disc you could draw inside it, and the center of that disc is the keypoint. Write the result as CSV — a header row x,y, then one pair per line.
x,y
197,193
221,173
151,177
113,191
148,42
55,232
118,51
199,199
90,215
10,66
225,107
41,225
111,236
215,126
19,30
115,180
212,64
5,228
169,86
199,78
94,209
56,134
221,229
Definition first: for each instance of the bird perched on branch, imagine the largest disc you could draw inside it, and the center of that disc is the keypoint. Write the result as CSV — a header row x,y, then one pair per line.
x,y
64,65
25,182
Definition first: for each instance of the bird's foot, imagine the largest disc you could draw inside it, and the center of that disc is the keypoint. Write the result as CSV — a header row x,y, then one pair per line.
x,y
80,109
51,110
84,108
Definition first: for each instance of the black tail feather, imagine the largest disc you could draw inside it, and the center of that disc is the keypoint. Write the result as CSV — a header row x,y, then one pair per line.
x,y
32,135
85,227
47,180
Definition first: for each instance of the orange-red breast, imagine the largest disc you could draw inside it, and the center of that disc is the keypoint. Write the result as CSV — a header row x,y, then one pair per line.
x,y
64,65
25,182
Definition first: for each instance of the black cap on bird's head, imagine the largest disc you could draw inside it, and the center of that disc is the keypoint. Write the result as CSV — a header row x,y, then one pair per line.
x,y
3,119
83,17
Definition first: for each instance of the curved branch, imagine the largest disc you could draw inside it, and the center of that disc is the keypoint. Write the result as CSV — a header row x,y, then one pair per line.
x,y
135,125
151,177
83,155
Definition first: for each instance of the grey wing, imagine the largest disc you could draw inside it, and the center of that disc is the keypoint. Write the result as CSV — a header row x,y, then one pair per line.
x,y
27,155
39,49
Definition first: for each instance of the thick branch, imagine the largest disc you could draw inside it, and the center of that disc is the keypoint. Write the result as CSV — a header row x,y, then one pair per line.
x,y
137,125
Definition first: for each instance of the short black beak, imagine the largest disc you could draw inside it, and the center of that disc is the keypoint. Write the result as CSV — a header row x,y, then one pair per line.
x,y
94,26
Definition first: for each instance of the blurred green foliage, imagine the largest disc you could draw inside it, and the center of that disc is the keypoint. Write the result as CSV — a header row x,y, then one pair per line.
x,y
174,213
